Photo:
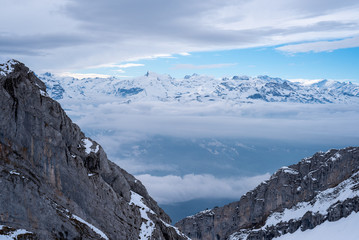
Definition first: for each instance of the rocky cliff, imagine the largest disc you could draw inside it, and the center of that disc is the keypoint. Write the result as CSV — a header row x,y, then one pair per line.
x,y
321,188
56,183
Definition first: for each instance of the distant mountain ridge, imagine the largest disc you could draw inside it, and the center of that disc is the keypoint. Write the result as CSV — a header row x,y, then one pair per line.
x,y
197,88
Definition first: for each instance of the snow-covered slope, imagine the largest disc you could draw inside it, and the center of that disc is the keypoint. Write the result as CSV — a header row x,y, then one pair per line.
x,y
164,88
345,228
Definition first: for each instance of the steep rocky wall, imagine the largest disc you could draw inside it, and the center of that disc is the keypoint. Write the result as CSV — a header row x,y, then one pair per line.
x,y
288,186
56,182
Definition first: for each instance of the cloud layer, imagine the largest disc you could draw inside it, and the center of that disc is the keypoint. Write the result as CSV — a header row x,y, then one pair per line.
x,y
280,121
74,34
173,189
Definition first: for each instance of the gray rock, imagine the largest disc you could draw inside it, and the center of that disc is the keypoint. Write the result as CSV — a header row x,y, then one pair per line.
x,y
55,182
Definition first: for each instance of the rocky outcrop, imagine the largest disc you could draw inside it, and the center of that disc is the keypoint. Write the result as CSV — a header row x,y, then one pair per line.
x,y
291,191
58,184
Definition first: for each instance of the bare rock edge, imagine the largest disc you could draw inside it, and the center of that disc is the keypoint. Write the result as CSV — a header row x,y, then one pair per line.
x,y
58,184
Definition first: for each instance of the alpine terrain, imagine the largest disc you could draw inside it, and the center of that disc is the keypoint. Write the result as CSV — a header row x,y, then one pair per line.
x,y
196,88
319,189
56,183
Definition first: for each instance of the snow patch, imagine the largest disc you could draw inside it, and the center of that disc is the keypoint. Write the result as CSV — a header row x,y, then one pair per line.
x,y
335,157
12,234
345,228
289,170
14,172
88,144
7,67
43,93
96,230
176,229
207,211
147,226
204,212
238,236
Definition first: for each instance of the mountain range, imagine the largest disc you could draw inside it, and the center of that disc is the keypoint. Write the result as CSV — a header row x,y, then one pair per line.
x,y
196,88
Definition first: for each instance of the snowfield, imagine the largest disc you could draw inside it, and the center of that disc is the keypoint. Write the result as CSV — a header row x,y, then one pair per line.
x,y
345,228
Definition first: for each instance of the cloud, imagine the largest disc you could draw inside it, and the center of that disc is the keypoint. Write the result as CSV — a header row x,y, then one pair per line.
x,y
321,46
207,66
135,166
40,44
305,82
128,65
83,75
172,189
279,121
120,71
184,54
72,34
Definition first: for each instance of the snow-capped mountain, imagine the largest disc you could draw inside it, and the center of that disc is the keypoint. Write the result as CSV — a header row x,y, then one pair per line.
x,y
164,88
318,190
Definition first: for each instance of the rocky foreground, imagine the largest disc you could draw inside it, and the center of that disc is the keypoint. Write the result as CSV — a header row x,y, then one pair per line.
x,y
321,188
56,183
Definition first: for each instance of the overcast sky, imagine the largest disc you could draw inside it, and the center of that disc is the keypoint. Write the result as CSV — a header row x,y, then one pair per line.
x,y
79,36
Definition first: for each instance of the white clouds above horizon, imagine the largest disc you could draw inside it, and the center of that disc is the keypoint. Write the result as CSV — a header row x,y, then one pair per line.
x,y
207,66
173,189
285,121
128,65
76,34
83,75
321,46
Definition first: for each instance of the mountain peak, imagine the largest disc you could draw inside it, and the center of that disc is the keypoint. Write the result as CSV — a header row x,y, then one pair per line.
x,y
240,78
9,66
48,74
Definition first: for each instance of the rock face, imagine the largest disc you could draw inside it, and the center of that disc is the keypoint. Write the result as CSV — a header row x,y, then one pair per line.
x,y
321,188
58,184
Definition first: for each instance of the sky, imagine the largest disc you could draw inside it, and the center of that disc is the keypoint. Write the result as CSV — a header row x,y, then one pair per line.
x,y
287,38
291,39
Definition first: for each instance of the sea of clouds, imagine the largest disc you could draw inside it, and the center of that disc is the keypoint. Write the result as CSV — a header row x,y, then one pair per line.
x,y
114,124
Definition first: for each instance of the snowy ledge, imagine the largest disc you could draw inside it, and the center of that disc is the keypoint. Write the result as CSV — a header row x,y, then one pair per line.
x,y
7,233
95,229
147,226
90,146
